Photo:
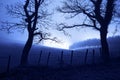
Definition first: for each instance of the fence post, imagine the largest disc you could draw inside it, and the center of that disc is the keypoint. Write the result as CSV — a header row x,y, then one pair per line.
x,y
48,58
61,62
8,65
86,56
93,58
101,53
71,57
40,57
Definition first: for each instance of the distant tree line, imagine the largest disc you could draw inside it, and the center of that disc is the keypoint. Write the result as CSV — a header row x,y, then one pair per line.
x,y
112,41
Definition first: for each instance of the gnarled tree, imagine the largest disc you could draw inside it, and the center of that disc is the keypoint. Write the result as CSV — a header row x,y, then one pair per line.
x,y
98,15
33,16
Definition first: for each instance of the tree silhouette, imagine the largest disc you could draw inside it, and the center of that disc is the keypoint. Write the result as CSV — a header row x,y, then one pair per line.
x,y
98,15
33,16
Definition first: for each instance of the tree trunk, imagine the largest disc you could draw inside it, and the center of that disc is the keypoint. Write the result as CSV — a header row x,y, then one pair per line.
x,y
104,46
26,50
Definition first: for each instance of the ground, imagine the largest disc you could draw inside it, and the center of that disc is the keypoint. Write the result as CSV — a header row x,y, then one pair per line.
x,y
110,71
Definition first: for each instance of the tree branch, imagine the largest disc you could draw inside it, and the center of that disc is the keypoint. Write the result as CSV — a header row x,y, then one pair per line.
x,y
98,12
9,26
63,26
109,10
45,37
94,2
25,8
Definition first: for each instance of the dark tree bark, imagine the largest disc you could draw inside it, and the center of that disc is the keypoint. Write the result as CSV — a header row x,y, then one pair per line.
x,y
26,50
103,31
104,46
31,20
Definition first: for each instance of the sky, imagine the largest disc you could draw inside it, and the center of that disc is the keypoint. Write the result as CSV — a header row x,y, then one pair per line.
x,y
76,35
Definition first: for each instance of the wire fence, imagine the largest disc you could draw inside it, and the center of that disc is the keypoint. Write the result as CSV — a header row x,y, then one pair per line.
x,y
72,56
5,62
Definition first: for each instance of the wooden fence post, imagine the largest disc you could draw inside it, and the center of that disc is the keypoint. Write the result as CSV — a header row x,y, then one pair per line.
x,y
93,57
48,58
86,56
71,59
8,65
40,57
61,62
101,53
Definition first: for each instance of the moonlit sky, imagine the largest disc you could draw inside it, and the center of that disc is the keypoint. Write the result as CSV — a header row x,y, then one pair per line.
x,y
76,34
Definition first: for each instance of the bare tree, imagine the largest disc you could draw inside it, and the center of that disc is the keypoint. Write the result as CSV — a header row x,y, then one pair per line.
x,y
32,16
98,15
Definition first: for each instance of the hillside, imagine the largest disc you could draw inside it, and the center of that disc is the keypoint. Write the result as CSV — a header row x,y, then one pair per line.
x,y
14,49
56,70
112,41
89,72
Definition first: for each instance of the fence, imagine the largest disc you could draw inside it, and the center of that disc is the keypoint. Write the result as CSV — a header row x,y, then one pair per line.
x,y
71,55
